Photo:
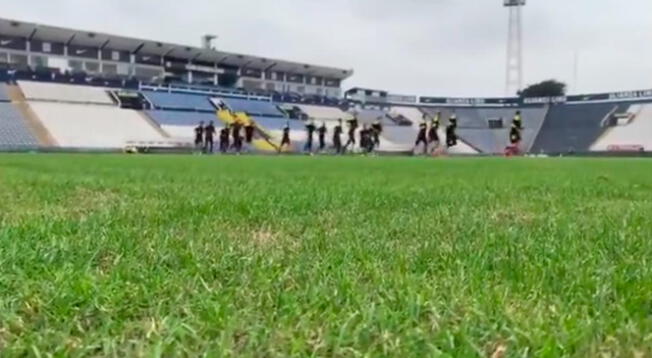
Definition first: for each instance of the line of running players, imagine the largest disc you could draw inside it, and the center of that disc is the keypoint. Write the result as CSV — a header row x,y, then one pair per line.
x,y
369,136
428,134
205,142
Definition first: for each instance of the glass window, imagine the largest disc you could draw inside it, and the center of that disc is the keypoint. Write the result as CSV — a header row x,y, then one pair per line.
x,y
92,67
76,65
4,57
109,69
115,55
18,59
123,69
40,61
147,72
47,47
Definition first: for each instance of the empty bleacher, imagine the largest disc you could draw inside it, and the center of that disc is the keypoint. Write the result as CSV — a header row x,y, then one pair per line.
x,y
4,96
413,114
637,133
252,107
179,101
93,126
532,121
324,112
572,127
14,132
273,126
55,92
180,124
369,116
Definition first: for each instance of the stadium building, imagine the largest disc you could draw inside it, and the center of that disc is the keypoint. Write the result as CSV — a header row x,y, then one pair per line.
x,y
66,89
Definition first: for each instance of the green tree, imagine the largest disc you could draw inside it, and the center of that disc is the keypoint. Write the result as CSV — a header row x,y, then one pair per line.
x,y
548,88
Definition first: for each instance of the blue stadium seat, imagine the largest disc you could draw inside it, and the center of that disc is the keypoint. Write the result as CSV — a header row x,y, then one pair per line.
x,y
573,127
180,118
4,97
253,108
277,124
14,132
166,100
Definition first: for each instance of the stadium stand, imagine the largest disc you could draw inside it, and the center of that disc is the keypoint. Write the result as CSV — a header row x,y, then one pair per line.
x,y
91,126
532,121
570,128
252,107
179,101
56,92
179,124
413,114
630,136
323,112
4,96
369,116
466,117
14,132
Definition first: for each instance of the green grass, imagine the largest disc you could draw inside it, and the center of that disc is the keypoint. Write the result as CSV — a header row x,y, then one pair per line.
x,y
331,257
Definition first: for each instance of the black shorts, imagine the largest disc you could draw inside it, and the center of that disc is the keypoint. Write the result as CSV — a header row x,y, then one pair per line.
x,y
433,136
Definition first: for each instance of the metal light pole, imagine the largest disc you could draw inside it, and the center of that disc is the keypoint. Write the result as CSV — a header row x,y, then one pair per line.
x,y
514,74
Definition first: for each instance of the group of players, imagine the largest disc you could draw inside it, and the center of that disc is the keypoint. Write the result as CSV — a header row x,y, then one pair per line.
x,y
369,136
230,137
428,134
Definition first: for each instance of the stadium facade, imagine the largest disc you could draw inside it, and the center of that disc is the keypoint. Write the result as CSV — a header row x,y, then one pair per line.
x,y
65,89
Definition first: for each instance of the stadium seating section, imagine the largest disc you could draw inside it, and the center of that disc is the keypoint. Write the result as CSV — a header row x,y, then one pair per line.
x,y
81,116
252,107
637,133
14,133
368,116
64,93
93,126
179,124
4,97
322,112
572,127
179,101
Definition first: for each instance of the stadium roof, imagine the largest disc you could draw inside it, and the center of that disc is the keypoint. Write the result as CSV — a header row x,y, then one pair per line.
x,y
101,40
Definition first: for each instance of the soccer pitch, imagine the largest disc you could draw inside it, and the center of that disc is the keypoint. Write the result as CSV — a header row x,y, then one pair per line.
x,y
104,255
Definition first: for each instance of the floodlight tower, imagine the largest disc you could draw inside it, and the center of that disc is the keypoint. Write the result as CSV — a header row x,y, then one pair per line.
x,y
207,41
514,75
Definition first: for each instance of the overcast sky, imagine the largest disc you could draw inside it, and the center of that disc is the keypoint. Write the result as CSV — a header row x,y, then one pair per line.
x,y
424,47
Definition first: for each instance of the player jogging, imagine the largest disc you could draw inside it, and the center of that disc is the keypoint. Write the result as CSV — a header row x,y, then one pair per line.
x,y
310,131
322,136
421,138
433,136
224,139
365,139
237,139
451,135
285,141
209,132
515,135
249,129
199,136
353,126
337,137
376,130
